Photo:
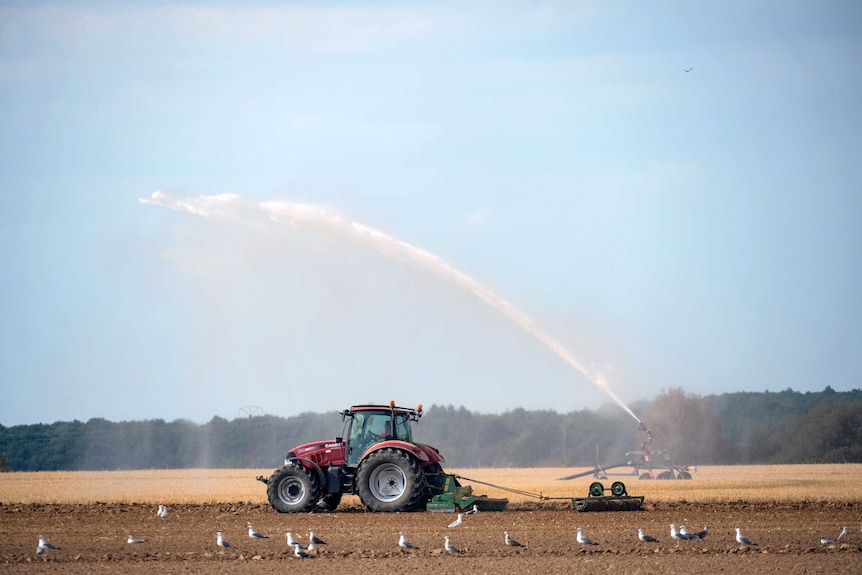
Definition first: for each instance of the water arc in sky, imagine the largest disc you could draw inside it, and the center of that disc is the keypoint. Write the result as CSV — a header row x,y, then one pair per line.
x,y
325,221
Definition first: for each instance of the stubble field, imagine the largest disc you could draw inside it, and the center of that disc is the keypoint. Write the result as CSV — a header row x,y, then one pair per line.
x,y
785,509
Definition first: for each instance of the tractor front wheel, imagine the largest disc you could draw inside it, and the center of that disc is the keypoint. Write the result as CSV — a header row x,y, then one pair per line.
x,y
390,480
293,489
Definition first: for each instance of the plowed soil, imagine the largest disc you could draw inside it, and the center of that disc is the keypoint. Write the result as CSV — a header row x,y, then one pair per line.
x,y
93,537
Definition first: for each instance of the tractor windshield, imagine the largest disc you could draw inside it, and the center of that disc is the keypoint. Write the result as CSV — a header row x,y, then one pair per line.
x,y
370,427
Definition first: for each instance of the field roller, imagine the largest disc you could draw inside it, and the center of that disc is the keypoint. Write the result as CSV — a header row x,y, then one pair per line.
x,y
618,500
459,497
456,497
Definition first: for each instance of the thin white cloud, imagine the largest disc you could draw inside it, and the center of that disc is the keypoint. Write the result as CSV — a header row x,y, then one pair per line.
x,y
315,30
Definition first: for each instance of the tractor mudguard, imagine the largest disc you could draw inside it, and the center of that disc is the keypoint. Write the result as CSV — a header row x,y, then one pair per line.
x,y
321,475
412,448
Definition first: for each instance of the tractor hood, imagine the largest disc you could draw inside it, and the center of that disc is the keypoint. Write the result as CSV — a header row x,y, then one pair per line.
x,y
319,451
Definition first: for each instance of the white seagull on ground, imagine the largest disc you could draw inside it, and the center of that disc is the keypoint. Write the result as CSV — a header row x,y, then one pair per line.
x,y
686,533
646,538
742,539
134,540
294,542
458,521
826,541
474,510
312,538
509,541
222,542
450,548
674,534
301,554
583,539
44,545
162,513
842,535
403,543
254,534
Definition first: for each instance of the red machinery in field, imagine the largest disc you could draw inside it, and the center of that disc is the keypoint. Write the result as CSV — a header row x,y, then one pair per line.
x,y
377,459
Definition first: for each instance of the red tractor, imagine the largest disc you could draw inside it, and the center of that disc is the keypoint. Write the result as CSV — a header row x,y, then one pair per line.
x,y
378,461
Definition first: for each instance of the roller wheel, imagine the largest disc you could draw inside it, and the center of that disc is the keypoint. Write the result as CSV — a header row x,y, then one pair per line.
x,y
596,489
684,475
618,488
666,475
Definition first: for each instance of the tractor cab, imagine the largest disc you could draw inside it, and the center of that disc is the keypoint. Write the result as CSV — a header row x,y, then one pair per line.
x,y
366,425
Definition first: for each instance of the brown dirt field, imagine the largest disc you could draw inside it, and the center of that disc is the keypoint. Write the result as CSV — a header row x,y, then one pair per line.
x,y
93,539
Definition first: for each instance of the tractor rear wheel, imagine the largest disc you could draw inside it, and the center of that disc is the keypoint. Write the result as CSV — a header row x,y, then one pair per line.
x,y
293,489
390,480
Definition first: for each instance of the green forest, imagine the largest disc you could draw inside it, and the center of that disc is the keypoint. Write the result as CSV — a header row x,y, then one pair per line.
x,y
732,428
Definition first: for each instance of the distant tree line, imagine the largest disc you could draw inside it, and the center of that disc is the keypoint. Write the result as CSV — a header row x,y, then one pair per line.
x,y
764,427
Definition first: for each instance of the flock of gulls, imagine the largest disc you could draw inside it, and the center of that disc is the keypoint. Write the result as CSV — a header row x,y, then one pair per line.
x,y
311,550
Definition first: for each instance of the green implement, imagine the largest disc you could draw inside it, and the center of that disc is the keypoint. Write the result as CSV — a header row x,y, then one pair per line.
x,y
456,497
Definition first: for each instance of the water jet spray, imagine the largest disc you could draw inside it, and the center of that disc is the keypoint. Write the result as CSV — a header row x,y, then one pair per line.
x,y
325,221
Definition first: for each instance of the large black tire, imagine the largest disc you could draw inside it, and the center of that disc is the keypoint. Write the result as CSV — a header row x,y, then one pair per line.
x,y
684,475
390,480
435,481
329,502
293,489
666,475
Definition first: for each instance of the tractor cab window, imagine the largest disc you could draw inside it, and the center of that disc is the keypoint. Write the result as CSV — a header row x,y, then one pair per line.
x,y
403,429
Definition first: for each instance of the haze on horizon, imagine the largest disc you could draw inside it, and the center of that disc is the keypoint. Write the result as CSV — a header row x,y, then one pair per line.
x,y
696,229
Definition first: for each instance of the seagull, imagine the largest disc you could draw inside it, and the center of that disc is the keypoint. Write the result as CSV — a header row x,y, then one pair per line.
x,y
646,538
312,547
687,70
221,542
254,534
742,539
511,542
458,521
134,540
825,541
842,535
44,545
686,533
703,532
473,511
162,513
451,548
301,554
294,542
676,534
312,538
584,539
403,543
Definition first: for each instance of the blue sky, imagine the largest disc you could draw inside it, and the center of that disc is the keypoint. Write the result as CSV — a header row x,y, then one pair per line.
x,y
696,229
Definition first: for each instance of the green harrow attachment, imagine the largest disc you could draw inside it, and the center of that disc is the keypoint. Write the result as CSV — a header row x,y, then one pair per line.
x,y
456,497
